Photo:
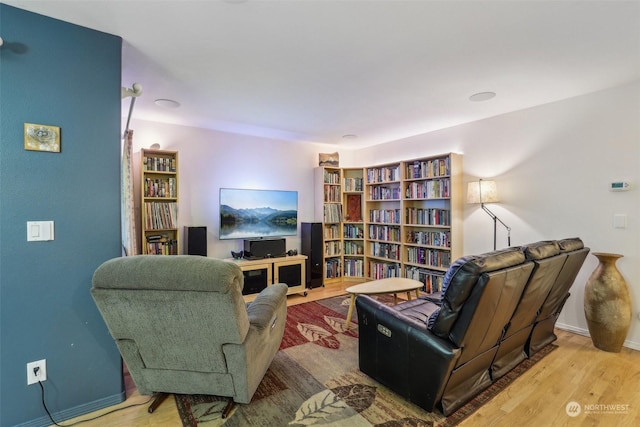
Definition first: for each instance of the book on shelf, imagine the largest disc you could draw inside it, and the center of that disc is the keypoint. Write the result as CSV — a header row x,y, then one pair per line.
x,y
159,164
161,215
352,184
383,174
432,280
333,212
428,168
160,187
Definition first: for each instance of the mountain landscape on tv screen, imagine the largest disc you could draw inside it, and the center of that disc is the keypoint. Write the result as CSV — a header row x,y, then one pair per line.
x,y
256,222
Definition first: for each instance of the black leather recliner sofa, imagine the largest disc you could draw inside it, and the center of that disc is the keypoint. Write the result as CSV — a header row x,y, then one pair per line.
x,y
495,310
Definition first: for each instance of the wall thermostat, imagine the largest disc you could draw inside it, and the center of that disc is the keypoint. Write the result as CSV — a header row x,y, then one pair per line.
x,y
620,186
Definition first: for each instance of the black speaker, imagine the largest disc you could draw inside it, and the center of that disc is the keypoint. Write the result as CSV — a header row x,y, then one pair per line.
x,y
195,239
312,247
264,248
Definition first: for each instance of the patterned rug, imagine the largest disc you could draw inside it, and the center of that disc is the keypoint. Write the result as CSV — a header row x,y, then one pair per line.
x,y
314,380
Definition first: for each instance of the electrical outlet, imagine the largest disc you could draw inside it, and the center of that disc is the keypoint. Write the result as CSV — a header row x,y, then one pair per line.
x,y
36,371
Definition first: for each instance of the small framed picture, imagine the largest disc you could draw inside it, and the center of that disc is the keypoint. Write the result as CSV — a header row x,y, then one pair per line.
x,y
329,159
41,138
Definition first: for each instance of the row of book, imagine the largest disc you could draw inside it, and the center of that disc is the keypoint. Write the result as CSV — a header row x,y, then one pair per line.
x,y
352,184
384,193
384,232
353,267
161,216
382,270
430,257
169,247
385,216
331,231
428,168
331,177
333,248
434,189
161,187
332,193
333,212
352,231
159,164
332,268
431,238
432,280
353,248
383,174
429,216
385,250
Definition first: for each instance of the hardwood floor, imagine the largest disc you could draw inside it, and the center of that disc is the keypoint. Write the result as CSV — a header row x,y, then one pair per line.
x,y
575,372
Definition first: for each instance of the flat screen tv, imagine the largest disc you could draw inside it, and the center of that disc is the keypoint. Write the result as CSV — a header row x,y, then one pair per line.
x,y
257,214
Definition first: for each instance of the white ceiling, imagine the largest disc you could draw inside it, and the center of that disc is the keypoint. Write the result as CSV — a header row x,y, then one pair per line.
x,y
315,70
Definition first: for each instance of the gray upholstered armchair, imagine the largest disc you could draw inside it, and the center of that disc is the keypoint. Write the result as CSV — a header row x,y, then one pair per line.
x,y
182,326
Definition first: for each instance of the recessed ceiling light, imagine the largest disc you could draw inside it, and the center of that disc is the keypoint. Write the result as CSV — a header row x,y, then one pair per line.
x,y
482,96
349,136
167,103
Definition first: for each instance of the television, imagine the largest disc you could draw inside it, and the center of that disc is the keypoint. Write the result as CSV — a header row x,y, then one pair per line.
x,y
257,214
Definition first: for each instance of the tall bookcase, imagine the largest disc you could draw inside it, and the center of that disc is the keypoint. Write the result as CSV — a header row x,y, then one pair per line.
x,y
383,242
353,230
431,217
159,202
328,196
401,219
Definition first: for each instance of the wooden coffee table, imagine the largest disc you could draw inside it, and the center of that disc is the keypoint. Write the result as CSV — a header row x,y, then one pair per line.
x,y
390,285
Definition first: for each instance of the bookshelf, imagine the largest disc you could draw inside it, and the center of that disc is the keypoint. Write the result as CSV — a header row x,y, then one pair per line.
x,y
353,229
383,241
329,211
431,217
410,222
159,202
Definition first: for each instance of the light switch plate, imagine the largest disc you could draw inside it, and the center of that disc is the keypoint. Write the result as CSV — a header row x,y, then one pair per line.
x,y
39,231
620,221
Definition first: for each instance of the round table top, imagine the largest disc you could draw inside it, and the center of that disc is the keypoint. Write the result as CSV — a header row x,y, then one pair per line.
x,y
385,286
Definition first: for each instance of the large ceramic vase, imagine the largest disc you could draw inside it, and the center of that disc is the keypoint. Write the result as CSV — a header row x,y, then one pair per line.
x,y
607,304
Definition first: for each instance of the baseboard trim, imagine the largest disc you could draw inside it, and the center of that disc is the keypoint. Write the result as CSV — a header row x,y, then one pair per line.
x,y
77,411
585,332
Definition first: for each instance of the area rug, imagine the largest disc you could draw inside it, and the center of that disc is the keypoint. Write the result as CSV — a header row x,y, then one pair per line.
x,y
314,380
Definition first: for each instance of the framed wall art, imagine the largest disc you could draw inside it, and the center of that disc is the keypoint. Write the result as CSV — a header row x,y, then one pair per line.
x,y
329,159
41,137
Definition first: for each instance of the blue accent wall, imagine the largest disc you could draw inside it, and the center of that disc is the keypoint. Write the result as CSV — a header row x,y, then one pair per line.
x,y
56,73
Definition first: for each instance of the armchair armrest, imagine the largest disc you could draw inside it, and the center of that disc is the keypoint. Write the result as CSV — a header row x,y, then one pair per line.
x,y
402,353
262,310
248,362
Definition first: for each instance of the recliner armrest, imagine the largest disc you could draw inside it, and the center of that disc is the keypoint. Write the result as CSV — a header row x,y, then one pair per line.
x,y
400,352
435,297
262,309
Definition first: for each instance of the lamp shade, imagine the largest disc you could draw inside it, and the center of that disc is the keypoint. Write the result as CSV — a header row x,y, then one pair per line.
x,y
482,192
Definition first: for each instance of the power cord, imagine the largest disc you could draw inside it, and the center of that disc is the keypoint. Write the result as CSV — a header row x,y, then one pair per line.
x,y
89,419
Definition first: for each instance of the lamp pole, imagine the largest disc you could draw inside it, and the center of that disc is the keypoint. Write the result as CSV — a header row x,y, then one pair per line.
x,y
494,217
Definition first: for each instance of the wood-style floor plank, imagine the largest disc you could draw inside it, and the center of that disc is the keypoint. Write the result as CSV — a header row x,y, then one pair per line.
x,y
575,372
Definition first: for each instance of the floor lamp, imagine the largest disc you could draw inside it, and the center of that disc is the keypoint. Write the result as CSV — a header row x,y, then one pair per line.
x,y
482,192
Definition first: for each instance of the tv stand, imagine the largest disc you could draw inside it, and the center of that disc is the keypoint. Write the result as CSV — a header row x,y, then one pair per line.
x,y
260,273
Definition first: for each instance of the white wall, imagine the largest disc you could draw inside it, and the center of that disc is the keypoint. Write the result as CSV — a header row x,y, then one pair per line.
x,y
552,164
